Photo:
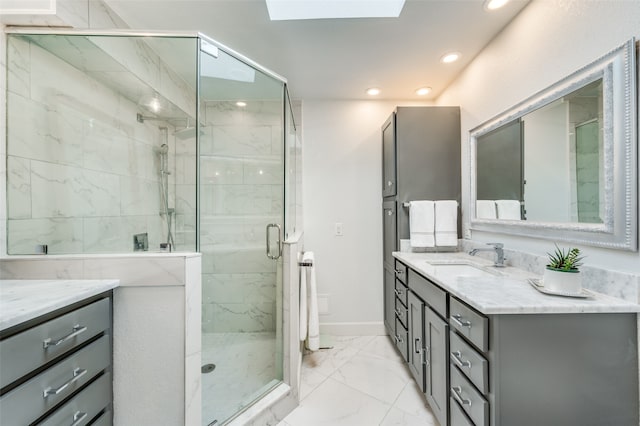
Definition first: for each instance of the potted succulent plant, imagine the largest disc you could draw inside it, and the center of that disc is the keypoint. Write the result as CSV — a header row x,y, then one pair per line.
x,y
562,273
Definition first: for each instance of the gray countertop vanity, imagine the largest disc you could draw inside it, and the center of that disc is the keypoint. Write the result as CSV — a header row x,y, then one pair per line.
x,y
487,348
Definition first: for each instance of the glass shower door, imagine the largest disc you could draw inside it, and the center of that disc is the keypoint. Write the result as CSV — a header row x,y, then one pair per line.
x,y
240,215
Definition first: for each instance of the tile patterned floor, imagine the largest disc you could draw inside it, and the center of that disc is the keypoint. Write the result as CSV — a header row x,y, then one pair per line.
x,y
362,381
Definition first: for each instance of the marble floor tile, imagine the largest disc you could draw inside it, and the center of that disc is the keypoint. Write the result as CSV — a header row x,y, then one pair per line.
x,y
336,404
381,378
327,361
356,380
310,380
413,401
397,417
383,347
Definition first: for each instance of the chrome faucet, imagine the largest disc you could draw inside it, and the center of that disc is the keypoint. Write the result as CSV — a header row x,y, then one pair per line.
x,y
498,248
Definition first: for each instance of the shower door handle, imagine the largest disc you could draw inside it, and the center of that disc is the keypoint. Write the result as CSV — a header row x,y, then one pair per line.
x,y
279,253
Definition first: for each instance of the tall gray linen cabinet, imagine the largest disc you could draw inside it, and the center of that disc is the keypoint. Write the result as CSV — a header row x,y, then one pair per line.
x,y
420,161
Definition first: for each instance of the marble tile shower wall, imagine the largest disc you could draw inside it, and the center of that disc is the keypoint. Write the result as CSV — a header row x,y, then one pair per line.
x,y
82,172
241,191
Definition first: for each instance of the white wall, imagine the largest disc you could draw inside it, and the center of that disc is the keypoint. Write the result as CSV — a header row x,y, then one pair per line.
x,y
342,177
547,41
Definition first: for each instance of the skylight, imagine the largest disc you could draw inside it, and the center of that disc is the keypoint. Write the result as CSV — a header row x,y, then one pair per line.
x,y
281,10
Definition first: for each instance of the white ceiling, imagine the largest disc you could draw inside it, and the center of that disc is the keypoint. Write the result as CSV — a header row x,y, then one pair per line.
x,y
338,58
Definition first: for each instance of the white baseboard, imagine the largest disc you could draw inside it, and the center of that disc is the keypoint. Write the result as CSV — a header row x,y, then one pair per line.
x,y
353,328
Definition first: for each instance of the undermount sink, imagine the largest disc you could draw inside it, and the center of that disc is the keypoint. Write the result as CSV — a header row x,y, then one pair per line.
x,y
462,268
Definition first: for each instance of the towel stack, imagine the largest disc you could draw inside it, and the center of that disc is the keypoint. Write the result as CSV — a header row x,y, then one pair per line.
x,y
433,223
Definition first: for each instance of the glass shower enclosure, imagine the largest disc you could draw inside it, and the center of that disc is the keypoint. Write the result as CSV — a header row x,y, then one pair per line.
x,y
127,142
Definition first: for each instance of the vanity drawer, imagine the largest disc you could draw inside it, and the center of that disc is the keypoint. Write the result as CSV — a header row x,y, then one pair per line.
x,y
82,408
401,271
457,416
28,402
471,401
401,292
402,338
471,324
32,348
469,361
401,312
433,295
104,420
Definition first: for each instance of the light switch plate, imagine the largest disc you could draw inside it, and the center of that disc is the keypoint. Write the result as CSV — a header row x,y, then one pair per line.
x,y
338,229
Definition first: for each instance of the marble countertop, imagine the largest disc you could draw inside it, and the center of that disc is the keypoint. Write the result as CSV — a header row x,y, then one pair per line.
x,y
23,300
506,292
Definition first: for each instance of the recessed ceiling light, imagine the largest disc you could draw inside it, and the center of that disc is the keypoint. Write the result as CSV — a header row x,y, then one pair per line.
x,y
450,57
373,91
326,9
423,91
241,104
494,4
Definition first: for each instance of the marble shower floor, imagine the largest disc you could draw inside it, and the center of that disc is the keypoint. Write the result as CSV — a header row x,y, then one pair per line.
x,y
245,368
362,381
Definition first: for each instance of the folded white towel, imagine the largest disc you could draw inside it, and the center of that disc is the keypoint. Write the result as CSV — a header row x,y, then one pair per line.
x,y
486,209
446,212
312,330
508,209
421,223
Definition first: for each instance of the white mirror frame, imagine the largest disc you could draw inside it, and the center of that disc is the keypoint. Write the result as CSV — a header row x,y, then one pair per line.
x,y
617,70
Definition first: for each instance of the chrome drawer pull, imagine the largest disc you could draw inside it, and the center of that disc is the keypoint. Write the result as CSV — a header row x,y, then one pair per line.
x,y
416,349
399,314
77,374
398,292
78,417
397,339
77,329
425,360
458,320
457,358
456,393
399,271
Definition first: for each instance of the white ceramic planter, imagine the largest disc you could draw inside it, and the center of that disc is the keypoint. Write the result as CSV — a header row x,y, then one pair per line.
x,y
562,281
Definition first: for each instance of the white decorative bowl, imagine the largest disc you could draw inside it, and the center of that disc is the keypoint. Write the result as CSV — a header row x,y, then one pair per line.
x,y
562,281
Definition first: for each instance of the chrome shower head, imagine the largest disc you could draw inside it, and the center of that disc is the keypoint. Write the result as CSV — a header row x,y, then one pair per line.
x,y
164,149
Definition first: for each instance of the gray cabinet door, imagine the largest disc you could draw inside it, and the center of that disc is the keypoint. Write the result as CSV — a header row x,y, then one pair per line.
x,y
437,387
389,300
389,157
416,339
390,241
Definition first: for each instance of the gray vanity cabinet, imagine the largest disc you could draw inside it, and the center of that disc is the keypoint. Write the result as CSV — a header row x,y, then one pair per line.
x,y
400,314
436,331
428,339
542,369
416,339
56,369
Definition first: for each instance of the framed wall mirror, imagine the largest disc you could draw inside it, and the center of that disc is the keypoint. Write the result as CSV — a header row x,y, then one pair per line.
x,y
562,165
